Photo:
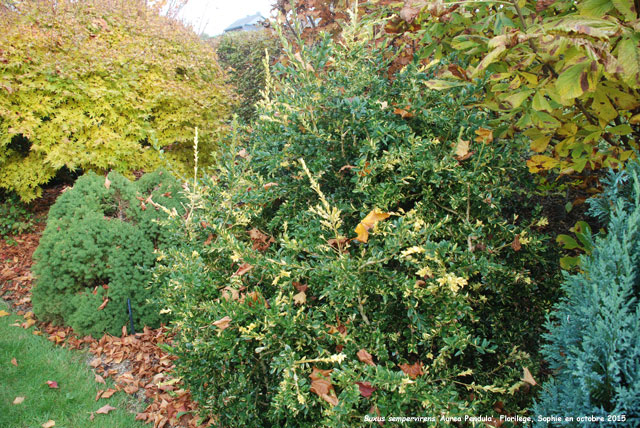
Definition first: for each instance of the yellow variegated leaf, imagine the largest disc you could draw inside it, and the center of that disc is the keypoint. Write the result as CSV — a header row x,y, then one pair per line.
x,y
362,229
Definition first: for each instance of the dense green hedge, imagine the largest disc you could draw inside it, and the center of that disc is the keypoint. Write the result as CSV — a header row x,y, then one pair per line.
x,y
369,249
99,244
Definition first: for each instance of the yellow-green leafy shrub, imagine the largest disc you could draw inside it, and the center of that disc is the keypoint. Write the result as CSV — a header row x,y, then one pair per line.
x,y
95,85
98,247
369,249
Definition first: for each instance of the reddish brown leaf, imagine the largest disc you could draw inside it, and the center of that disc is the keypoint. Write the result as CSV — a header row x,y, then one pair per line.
x,y
405,114
516,243
269,185
99,379
300,286
209,239
52,384
230,293
413,370
261,241
321,385
14,362
108,393
366,389
244,268
104,304
365,357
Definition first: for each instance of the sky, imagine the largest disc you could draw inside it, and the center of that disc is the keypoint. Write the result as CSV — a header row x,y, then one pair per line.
x,y
213,16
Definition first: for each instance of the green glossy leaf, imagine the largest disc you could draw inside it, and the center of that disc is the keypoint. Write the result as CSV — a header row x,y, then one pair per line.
x,y
568,263
567,242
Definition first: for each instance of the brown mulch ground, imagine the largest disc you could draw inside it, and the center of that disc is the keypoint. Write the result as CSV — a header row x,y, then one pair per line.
x,y
136,362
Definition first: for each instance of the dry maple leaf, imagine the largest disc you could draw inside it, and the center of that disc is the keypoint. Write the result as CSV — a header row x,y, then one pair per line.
x,y
365,357
105,409
52,384
411,10
527,377
484,135
4,313
104,304
462,150
243,153
50,423
244,268
321,385
18,400
300,298
28,323
405,114
261,241
108,393
413,371
230,293
223,323
362,229
99,379
366,389
300,286
14,362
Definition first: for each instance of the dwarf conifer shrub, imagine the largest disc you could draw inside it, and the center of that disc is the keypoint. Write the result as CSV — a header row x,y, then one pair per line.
x,y
369,251
594,332
97,249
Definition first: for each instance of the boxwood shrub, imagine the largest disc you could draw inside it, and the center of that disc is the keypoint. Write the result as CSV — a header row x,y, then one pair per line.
x,y
368,250
98,246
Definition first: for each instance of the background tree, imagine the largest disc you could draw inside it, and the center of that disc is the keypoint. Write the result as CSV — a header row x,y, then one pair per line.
x,y
242,54
94,85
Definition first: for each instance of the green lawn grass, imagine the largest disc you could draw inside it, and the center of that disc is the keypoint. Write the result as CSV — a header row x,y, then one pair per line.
x,y
39,361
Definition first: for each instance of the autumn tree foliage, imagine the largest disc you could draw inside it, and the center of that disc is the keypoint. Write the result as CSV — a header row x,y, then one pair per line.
x,y
564,73
101,85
